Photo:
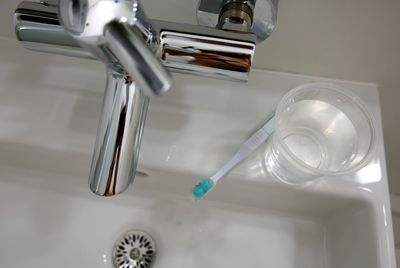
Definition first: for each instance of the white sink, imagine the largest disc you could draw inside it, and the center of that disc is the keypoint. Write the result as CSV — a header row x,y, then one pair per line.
x,y
49,218
241,225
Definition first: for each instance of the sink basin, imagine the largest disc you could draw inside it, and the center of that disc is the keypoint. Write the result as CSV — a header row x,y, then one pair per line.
x,y
49,217
239,225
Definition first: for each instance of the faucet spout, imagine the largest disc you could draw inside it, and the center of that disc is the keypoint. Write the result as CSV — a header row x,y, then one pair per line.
x,y
119,136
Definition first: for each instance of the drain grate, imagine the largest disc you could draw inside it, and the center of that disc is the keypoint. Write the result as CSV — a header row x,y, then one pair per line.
x,y
135,249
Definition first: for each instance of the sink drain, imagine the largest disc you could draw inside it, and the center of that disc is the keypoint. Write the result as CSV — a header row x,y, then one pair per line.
x,y
135,249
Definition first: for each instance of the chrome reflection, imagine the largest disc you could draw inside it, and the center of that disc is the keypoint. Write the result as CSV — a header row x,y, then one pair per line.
x,y
117,33
206,56
119,136
192,49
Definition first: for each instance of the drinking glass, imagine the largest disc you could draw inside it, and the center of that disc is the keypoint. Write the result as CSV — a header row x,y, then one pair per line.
x,y
320,129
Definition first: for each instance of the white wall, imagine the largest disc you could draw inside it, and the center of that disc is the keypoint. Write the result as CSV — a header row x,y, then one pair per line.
x,y
354,39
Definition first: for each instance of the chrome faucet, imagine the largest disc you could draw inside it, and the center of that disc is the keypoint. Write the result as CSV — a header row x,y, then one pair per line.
x,y
139,53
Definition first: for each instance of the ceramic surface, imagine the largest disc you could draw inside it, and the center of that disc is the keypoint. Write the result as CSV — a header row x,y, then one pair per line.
x,y
49,108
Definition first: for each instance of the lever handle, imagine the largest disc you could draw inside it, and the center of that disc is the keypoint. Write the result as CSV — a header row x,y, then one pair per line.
x,y
116,33
138,60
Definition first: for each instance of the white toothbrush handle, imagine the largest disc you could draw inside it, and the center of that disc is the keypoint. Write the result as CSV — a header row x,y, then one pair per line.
x,y
226,168
246,149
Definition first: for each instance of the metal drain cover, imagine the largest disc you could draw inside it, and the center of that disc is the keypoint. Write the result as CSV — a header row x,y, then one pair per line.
x,y
134,249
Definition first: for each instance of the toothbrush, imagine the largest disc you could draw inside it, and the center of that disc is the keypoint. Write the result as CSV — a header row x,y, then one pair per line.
x,y
252,143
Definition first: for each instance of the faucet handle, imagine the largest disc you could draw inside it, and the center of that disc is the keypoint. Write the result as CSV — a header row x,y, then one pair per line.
x,y
126,44
119,34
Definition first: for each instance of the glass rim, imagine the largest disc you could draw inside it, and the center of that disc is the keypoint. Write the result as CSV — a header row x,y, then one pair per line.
x,y
355,100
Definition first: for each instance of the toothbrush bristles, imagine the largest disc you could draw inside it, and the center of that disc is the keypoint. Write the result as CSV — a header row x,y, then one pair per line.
x,y
202,188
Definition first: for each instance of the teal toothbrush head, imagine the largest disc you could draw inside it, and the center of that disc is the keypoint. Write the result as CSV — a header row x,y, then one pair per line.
x,y
202,188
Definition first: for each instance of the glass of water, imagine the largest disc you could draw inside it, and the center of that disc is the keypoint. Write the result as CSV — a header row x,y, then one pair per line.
x,y
320,129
